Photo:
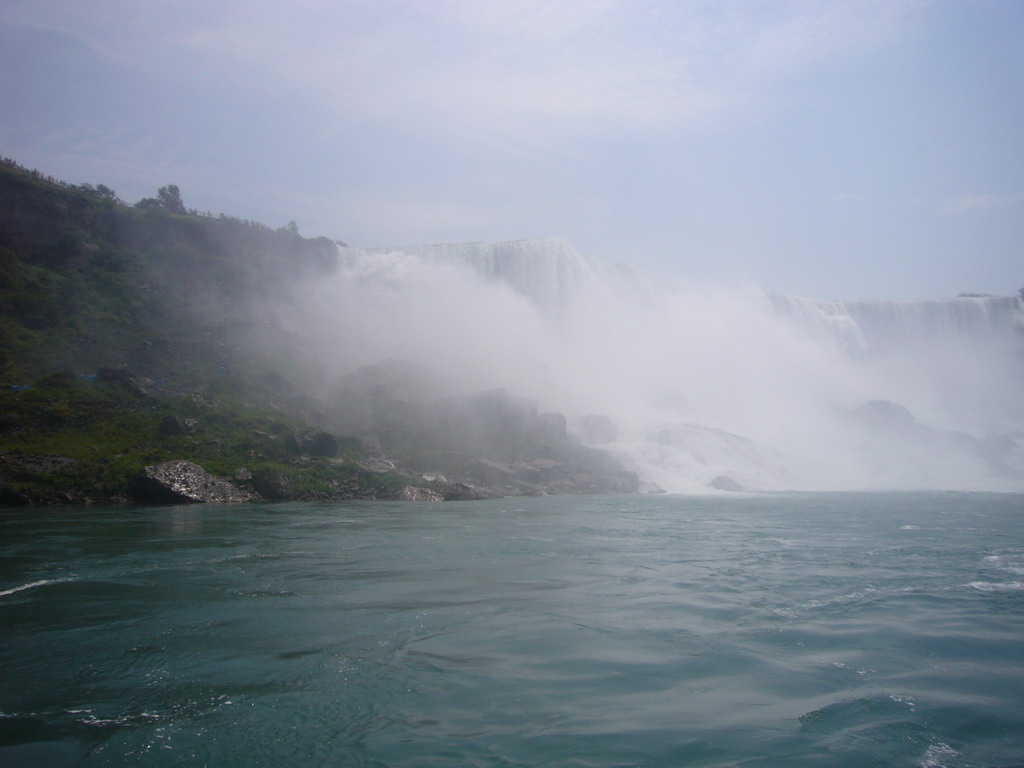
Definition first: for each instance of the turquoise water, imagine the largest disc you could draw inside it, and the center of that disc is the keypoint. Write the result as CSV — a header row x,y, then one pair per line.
x,y
790,630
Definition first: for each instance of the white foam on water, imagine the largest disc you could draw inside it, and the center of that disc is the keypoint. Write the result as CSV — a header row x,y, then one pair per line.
x,y
938,755
989,586
31,585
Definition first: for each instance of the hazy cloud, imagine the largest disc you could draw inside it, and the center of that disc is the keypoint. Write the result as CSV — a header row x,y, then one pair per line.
x,y
974,202
520,68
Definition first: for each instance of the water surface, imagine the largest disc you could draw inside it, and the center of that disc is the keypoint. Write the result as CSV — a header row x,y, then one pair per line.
x,y
807,630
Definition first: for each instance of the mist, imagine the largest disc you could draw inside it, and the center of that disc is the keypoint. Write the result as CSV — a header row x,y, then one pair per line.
x,y
707,386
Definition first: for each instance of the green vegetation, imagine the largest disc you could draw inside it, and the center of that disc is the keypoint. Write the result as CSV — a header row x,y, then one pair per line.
x,y
72,439
131,336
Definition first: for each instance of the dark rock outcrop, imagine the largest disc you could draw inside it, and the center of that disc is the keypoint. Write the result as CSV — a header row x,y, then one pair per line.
x,y
139,385
182,482
725,483
312,443
274,486
460,492
418,493
170,426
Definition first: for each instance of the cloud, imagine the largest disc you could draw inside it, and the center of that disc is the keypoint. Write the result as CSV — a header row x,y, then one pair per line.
x,y
974,202
515,70
814,33
408,219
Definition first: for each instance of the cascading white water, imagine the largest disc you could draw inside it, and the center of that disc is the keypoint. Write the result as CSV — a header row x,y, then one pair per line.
x,y
702,380
874,326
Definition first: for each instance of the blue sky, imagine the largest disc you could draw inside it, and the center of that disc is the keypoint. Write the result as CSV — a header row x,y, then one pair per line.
x,y
823,148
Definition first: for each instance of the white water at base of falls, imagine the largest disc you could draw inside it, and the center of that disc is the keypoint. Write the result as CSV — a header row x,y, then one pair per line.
x,y
702,380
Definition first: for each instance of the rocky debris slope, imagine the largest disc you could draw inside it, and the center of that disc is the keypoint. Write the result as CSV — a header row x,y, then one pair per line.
x,y
182,482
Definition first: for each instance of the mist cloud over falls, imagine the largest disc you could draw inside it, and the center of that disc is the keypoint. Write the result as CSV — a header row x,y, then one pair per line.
x,y
703,382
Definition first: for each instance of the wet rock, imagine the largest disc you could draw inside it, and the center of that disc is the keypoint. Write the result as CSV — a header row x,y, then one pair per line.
x,y
489,471
274,486
544,469
597,429
416,493
581,481
725,483
376,465
182,482
461,492
528,473
491,423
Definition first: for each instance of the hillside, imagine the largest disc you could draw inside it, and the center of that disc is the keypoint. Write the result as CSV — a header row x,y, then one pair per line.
x,y
133,336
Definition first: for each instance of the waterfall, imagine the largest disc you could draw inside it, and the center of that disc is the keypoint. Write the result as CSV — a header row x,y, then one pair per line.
x,y
702,380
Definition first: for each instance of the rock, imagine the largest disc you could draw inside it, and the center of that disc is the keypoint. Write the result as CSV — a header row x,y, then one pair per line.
x,y
170,426
274,486
13,498
725,483
376,465
490,471
182,482
461,492
137,384
311,444
544,469
416,493
140,385
529,489
491,423
528,473
551,427
322,444
597,429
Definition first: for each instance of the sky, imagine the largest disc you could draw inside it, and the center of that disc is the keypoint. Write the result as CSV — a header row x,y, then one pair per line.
x,y
855,149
